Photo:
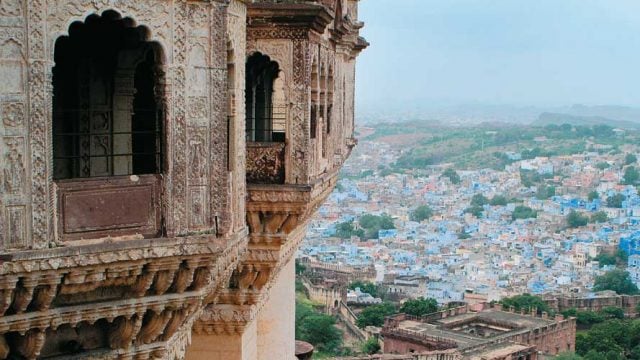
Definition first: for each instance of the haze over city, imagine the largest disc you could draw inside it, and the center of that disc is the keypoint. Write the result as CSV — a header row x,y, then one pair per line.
x,y
431,54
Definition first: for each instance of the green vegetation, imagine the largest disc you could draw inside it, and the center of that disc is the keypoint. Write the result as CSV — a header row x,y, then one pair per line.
x,y
487,146
611,339
374,223
369,227
479,200
616,280
599,217
531,178
476,211
545,192
371,346
346,230
619,259
421,213
603,165
368,287
615,201
630,159
631,176
523,212
593,195
588,318
498,200
576,219
452,175
374,315
419,306
527,302
317,329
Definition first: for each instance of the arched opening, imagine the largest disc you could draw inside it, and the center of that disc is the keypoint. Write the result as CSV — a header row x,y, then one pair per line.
x,y
107,100
265,121
108,121
261,75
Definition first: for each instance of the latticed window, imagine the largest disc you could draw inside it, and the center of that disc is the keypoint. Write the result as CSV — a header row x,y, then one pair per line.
x,y
107,113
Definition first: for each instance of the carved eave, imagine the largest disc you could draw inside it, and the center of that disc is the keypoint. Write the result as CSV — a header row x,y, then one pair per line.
x,y
294,16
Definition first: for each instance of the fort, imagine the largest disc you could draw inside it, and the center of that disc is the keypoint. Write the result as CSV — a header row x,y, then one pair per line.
x,y
486,333
160,162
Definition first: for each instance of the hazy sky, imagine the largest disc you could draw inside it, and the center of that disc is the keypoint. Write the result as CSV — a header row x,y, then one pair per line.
x,y
518,52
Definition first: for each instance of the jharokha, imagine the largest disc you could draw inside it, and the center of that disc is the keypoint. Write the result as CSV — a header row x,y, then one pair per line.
x,y
160,161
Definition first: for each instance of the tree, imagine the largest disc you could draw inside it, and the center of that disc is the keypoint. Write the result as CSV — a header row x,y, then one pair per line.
x,y
476,211
615,201
526,301
593,195
419,306
421,213
452,175
545,192
366,287
612,312
479,200
523,212
317,329
374,315
631,176
603,165
346,230
630,159
498,200
599,217
371,346
320,331
576,219
616,280
374,223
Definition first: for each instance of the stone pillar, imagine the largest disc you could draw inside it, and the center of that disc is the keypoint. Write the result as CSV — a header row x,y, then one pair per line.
x,y
225,347
276,321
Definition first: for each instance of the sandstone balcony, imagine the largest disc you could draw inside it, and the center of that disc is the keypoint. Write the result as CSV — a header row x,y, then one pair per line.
x,y
265,162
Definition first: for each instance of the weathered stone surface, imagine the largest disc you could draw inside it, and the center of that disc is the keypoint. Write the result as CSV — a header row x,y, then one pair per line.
x,y
205,245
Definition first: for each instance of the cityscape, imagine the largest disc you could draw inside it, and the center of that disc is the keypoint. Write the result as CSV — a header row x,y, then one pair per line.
x,y
551,221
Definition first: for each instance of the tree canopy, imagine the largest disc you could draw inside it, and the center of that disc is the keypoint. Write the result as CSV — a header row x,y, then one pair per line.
x,y
452,175
616,280
421,213
419,306
576,219
317,329
615,201
367,287
593,195
523,212
527,302
374,223
498,200
599,217
479,200
631,175
630,159
374,315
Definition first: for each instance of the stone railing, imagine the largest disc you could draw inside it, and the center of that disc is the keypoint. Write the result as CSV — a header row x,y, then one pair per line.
x,y
265,163
432,342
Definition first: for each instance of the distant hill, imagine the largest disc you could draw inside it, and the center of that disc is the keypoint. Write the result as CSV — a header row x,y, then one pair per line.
x,y
548,118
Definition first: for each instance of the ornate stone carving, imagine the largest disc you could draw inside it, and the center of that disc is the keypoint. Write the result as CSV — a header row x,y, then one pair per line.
x,y
14,171
13,115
